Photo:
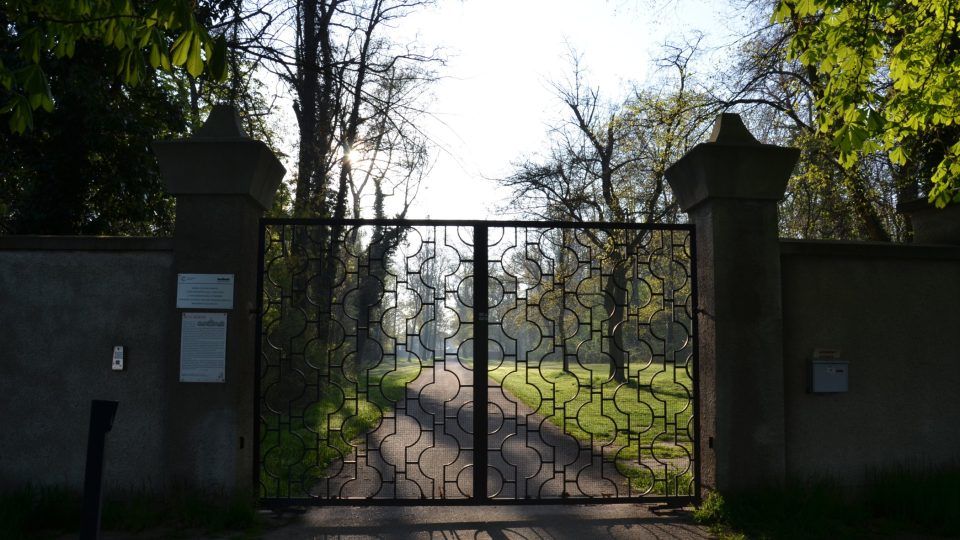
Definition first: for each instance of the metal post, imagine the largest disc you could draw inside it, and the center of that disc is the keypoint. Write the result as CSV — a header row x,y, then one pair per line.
x,y
101,421
694,318
480,361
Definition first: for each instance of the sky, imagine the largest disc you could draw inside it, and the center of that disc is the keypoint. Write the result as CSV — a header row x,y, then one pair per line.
x,y
494,102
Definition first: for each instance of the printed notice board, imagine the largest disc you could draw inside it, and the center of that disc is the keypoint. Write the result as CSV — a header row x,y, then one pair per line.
x,y
203,347
204,291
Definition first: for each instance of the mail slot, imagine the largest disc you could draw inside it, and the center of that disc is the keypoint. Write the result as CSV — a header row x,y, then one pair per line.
x,y
829,376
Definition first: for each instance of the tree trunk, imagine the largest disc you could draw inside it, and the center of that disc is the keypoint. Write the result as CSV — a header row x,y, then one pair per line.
x,y
615,302
562,272
381,247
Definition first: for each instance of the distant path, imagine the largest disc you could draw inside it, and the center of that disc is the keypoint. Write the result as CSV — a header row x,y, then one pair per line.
x,y
423,449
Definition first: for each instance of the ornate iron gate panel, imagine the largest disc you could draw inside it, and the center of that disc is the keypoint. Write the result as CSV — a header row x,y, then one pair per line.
x,y
440,361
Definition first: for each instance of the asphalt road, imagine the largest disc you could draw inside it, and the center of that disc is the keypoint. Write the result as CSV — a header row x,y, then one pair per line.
x,y
423,449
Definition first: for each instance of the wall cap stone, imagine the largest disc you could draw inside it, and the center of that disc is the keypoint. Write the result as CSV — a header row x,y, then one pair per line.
x,y
733,165
858,250
932,225
84,243
220,160
223,123
729,128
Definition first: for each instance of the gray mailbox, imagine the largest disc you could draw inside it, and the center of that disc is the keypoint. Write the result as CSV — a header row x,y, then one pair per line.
x,y
828,373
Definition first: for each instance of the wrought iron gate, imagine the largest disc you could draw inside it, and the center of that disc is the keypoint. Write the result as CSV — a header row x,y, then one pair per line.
x,y
453,361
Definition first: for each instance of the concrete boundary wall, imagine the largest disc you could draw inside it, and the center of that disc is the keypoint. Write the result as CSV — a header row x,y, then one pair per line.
x,y
64,304
892,312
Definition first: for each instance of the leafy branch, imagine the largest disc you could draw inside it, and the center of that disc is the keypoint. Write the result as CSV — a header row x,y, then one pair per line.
x,y
163,36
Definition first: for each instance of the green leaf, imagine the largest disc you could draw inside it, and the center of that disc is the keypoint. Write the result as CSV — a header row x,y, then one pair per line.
x,y
21,116
806,7
6,78
898,156
133,73
30,45
122,64
194,61
47,103
34,80
155,60
120,41
781,13
181,48
875,121
110,32
218,60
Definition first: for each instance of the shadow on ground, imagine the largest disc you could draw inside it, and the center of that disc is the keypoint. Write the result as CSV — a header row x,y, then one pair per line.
x,y
580,522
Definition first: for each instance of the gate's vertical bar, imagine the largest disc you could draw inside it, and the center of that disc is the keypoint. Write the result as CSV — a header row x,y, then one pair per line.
x,y
695,292
480,360
258,358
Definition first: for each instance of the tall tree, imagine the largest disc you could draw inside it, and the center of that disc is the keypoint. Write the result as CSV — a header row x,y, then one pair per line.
x,y
85,166
606,163
357,96
780,96
892,69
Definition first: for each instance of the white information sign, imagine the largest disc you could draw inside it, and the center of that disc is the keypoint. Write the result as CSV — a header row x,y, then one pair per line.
x,y
203,347
204,291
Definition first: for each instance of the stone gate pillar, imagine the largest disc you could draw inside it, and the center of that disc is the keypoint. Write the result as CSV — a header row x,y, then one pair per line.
x,y
223,181
730,187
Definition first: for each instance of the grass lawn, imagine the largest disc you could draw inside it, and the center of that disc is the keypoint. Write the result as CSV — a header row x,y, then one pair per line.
x,y
298,447
644,425
646,422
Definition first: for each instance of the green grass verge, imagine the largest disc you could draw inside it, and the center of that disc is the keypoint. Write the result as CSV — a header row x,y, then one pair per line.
x,y
297,451
894,501
643,421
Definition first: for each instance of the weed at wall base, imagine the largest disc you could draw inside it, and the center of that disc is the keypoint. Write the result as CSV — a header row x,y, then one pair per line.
x,y
901,499
52,511
923,496
27,511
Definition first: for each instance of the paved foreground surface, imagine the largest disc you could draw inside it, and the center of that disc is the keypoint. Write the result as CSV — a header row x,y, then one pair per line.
x,y
576,522
423,448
